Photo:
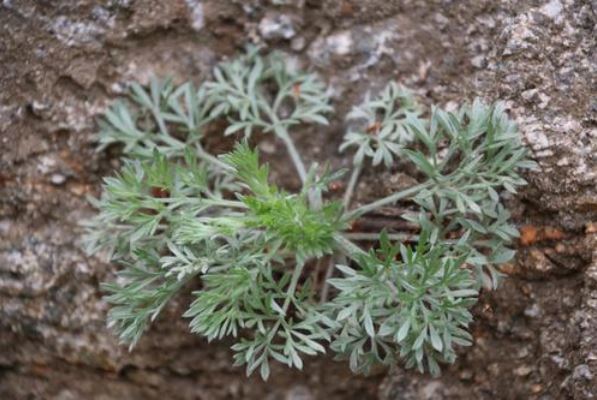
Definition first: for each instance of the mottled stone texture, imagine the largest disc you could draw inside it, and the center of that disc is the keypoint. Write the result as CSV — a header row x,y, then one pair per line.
x,y
61,62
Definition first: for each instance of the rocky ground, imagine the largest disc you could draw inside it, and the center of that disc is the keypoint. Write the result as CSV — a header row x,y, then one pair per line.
x,y
62,62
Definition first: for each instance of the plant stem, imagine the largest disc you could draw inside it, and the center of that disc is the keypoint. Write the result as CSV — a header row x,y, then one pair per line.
x,y
326,286
160,121
375,236
349,248
201,153
296,274
386,200
354,177
358,236
315,198
226,203
282,133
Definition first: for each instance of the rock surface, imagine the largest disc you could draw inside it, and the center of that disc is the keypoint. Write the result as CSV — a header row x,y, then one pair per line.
x,y
61,63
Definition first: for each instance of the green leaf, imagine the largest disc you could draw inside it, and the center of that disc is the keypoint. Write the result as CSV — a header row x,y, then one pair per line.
x,y
403,331
436,341
502,256
422,163
368,322
420,339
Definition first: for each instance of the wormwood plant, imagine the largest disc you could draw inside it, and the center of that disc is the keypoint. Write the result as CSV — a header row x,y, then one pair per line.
x,y
283,272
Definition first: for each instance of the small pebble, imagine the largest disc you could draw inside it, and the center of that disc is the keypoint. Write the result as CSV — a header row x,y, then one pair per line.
x,y
276,26
523,370
298,43
479,61
57,179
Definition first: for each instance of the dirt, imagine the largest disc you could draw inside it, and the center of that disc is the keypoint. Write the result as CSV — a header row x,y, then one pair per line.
x,y
62,62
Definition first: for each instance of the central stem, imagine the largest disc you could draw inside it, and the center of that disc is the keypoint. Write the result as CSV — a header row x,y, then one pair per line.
x,y
201,153
298,270
282,133
348,247
393,198
315,199
350,250
354,177
375,236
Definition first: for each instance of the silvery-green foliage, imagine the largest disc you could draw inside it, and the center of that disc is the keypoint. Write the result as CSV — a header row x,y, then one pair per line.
x,y
158,206
469,156
143,203
175,214
248,297
416,308
139,295
380,129
263,93
154,118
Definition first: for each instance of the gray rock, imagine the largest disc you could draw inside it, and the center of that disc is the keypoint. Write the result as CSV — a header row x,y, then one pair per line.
x,y
552,9
197,18
76,56
276,26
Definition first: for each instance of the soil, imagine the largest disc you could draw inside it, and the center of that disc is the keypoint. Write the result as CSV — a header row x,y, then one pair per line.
x,y
63,62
